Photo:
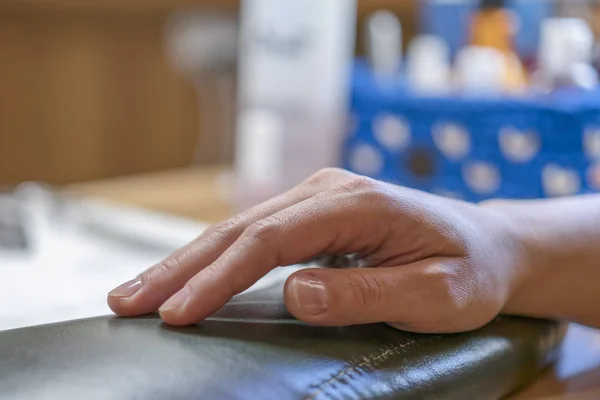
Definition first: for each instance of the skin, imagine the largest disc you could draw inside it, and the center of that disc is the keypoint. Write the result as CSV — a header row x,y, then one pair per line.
x,y
433,264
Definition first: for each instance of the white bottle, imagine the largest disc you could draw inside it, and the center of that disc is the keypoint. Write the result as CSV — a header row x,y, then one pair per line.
x,y
294,74
565,55
383,38
428,67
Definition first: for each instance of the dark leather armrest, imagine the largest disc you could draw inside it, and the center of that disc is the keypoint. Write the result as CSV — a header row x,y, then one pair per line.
x,y
253,349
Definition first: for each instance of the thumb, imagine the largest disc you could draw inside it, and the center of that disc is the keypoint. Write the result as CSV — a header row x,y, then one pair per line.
x,y
421,296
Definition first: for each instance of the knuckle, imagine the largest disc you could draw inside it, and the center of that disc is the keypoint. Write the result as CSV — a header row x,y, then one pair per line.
x,y
227,228
366,191
264,230
360,184
168,266
327,176
366,291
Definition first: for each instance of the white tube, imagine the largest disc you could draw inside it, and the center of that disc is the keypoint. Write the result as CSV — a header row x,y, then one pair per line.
x,y
294,67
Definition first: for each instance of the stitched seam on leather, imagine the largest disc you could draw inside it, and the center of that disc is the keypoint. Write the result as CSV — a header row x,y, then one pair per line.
x,y
367,363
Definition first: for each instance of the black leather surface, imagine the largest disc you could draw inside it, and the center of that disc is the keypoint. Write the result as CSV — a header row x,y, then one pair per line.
x,y
253,349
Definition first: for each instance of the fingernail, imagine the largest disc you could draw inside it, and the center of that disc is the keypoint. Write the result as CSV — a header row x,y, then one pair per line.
x,y
176,301
310,294
127,289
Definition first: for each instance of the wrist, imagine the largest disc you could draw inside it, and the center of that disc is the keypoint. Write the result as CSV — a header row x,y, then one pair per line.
x,y
559,242
526,260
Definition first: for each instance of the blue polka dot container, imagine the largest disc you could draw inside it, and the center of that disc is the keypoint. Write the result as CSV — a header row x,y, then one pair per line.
x,y
475,149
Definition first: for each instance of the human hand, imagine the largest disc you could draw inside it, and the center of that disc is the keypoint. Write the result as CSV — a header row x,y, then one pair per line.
x,y
431,264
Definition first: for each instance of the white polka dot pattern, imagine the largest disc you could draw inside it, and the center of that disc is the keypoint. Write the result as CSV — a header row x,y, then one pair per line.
x,y
593,176
591,142
559,181
518,146
452,140
482,178
366,160
393,132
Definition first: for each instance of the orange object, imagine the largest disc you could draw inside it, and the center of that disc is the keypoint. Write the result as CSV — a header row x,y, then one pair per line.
x,y
493,26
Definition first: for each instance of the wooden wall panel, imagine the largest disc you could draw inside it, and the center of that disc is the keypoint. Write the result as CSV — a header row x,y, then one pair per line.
x,y
88,95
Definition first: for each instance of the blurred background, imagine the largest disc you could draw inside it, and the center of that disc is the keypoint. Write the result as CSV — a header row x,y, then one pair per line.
x,y
100,89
